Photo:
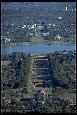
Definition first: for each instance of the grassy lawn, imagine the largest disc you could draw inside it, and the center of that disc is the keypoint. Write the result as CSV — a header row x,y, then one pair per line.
x,y
39,56
30,87
37,40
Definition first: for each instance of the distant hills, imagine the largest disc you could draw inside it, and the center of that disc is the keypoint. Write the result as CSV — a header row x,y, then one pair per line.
x,y
23,5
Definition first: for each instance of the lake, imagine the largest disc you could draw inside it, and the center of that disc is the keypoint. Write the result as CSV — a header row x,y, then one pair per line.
x,y
37,48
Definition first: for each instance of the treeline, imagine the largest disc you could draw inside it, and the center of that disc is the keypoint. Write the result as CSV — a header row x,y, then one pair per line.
x,y
63,69
15,74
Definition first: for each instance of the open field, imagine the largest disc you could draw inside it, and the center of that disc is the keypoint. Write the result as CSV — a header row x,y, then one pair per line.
x,y
38,40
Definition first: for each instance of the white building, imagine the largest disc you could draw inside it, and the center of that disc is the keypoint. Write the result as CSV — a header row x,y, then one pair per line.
x,y
66,9
45,34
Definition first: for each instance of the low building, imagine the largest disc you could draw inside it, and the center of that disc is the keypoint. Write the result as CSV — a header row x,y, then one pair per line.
x,y
45,34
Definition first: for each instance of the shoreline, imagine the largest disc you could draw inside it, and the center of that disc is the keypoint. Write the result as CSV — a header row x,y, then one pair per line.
x,y
33,43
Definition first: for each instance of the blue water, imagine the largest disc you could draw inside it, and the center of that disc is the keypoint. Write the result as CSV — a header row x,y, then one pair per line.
x,y
37,49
